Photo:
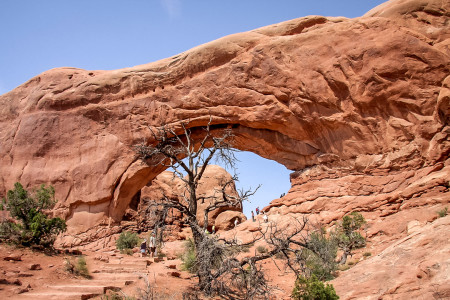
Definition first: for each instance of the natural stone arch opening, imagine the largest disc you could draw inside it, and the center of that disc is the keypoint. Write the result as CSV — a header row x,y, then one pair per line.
x,y
269,179
265,143
254,170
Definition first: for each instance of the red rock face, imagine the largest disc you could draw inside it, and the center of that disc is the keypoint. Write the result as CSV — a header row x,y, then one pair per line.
x,y
363,98
414,267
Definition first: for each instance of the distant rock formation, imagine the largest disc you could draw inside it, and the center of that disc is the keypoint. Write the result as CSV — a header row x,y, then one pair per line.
x,y
364,99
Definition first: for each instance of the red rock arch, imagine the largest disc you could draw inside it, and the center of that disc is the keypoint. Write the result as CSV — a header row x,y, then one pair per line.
x,y
367,94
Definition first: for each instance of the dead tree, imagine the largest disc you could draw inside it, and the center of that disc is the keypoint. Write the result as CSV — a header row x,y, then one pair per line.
x,y
188,151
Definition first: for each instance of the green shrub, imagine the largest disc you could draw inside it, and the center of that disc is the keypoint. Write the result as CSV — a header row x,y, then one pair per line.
x,y
313,289
33,227
443,212
261,249
127,240
347,237
367,254
189,257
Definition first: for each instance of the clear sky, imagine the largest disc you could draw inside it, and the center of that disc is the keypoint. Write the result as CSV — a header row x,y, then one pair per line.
x,y
110,34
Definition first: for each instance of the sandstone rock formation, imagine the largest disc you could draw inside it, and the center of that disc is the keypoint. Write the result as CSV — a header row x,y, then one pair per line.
x,y
362,98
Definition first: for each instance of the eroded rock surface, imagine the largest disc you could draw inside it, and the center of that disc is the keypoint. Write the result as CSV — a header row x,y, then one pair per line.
x,y
404,270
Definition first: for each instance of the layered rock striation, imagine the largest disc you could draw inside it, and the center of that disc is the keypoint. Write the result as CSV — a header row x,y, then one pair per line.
x,y
361,97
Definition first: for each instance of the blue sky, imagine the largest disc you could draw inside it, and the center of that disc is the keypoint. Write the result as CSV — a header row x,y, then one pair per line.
x,y
110,34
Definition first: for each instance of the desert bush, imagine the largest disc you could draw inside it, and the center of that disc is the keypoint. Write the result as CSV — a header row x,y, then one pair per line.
x,y
236,249
261,249
367,254
443,212
33,227
311,288
347,236
280,255
127,251
68,266
78,268
10,232
81,267
127,240
343,267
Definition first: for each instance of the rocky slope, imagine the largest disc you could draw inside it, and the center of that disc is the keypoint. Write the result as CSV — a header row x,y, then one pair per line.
x,y
415,267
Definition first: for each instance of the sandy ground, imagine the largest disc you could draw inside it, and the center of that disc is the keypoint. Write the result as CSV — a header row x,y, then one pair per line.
x,y
17,277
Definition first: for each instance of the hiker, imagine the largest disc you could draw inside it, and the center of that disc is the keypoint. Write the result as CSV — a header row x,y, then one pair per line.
x,y
152,245
257,210
235,222
253,216
265,217
143,247
214,229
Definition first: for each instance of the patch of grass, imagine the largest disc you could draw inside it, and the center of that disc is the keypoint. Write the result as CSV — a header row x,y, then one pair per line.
x,y
443,212
351,263
189,257
343,267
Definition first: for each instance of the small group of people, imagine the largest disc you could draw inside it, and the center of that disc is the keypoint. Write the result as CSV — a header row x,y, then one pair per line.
x,y
151,246
265,217
213,230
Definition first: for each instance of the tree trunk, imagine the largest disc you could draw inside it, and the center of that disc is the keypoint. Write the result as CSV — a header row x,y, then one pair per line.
x,y
203,273
344,258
